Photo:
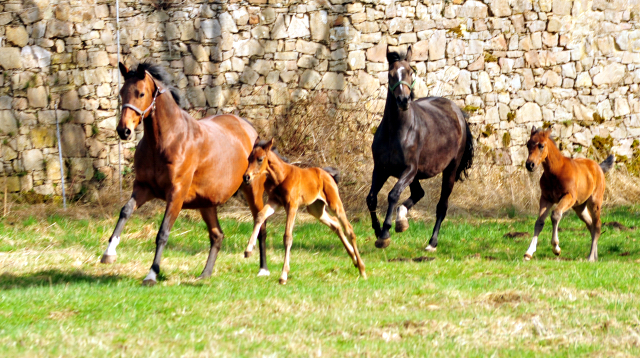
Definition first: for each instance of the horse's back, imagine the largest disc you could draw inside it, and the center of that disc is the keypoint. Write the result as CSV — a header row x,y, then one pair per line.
x,y
233,127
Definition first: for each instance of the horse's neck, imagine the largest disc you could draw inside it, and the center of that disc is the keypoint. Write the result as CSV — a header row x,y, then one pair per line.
x,y
165,123
277,169
554,161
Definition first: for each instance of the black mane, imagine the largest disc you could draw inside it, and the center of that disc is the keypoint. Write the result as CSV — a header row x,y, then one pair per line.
x,y
159,73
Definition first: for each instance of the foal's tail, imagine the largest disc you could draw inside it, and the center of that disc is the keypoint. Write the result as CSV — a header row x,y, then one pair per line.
x,y
467,157
334,172
607,164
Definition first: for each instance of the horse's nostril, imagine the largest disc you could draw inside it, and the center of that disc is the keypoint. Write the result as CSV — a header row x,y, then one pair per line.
x,y
127,132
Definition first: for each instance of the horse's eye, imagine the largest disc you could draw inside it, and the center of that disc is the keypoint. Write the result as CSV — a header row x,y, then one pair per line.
x,y
260,160
541,146
141,94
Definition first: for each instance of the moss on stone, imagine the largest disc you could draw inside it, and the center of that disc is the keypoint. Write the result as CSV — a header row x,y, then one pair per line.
x,y
506,139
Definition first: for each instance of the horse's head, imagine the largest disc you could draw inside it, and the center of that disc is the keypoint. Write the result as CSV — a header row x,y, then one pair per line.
x,y
258,161
401,78
138,94
538,146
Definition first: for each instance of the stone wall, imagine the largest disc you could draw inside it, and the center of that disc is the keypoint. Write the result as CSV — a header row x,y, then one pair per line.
x,y
574,65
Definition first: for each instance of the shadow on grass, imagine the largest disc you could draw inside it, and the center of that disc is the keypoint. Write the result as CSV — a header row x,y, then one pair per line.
x,y
52,277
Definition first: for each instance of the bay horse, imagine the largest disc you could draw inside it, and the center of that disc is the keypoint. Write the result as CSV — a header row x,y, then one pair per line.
x,y
191,164
416,140
569,183
290,187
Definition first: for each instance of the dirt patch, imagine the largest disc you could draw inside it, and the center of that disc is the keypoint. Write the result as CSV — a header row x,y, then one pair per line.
x,y
619,226
507,297
415,259
516,234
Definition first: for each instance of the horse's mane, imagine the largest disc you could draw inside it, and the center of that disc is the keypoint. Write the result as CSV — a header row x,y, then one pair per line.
x,y
538,130
263,143
159,73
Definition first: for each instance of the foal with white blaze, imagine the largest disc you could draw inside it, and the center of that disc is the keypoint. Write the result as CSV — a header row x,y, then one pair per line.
x,y
290,187
569,183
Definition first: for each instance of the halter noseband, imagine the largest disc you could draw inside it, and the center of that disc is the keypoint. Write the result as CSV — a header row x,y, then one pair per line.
x,y
152,106
393,88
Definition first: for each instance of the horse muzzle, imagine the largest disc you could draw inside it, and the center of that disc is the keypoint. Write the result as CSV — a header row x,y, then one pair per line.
x,y
124,133
247,179
530,165
403,103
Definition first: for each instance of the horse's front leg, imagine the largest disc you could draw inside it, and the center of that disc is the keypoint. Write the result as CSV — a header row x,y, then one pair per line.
x,y
139,196
394,195
402,223
545,209
377,181
174,205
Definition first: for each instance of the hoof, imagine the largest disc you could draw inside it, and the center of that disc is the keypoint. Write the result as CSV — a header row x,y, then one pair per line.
x,y
108,259
263,272
363,275
247,254
402,225
283,281
557,250
527,257
383,243
149,282
430,249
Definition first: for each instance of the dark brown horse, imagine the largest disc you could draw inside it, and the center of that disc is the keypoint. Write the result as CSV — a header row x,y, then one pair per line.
x,y
188,163
416,140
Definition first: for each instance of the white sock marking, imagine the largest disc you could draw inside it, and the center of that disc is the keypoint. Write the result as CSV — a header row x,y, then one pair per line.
x,y
151,276
402,213
111,249
263,272
532,247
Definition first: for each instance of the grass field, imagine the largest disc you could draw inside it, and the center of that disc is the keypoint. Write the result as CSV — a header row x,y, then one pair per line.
x,y
475,298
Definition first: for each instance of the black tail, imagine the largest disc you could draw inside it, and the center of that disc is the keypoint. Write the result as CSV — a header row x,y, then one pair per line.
x,y
467,157
335,174
607,164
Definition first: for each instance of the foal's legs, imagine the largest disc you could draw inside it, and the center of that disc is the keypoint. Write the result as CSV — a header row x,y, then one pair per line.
x,y
545,207
139,196
288,241
448,181
336,206
595,206
174,205
394,195
564,204
317,209
417,193
259,219
377,181
253,193
210,217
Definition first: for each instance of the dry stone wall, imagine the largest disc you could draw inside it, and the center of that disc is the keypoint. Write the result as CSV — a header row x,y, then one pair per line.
x,y
574,65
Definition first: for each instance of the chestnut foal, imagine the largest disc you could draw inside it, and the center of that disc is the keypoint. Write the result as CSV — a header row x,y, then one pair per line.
x,y
570,183
290,186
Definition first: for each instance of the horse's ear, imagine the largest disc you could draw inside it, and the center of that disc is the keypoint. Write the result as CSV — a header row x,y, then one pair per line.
x,y
408,56
123,69
269,145
533,129
548,131
141,72
391,57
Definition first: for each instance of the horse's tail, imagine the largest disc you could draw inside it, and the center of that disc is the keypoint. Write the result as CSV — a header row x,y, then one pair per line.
x,y
467,157
607,164
335,173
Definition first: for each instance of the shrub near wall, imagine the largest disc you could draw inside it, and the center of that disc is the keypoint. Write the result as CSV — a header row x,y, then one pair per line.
x,y
570,65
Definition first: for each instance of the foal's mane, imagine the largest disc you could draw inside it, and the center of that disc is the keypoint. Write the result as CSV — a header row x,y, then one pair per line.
x,y
160,74
263,143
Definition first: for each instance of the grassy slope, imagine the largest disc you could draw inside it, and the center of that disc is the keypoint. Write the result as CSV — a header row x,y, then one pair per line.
x,y
476,298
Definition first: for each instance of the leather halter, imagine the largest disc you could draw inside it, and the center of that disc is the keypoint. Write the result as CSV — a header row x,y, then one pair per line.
x,y
393,88
152,106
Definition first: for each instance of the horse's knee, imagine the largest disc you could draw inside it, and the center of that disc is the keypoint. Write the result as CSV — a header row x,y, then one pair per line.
x,y
162,238
216,238
127,210
539,224
394,196
372,202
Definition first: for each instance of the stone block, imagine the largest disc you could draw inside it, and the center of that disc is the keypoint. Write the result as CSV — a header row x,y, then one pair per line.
x,y
310,79
299,27
35,57
32,160
500,8
378,53
80,169
227,23
248,48
196,96
37,97
529,112
356,60
57,28
611,74
10,58
333,81
17,35
43,137
73,140
437,45
8,123
249,76
210,28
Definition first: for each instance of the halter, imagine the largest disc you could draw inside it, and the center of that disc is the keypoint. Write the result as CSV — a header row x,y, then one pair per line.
x,y
152,106
393,88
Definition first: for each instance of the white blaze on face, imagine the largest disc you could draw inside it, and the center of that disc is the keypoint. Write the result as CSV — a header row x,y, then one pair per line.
x,y
111,249
400,73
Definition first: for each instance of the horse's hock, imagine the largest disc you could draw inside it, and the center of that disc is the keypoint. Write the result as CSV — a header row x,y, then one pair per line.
x,y
574,65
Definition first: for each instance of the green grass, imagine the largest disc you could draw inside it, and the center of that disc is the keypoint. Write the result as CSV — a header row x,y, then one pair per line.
x,y
476,298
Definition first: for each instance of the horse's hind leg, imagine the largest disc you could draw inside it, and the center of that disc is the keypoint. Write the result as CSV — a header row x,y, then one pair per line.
x,y
378,179
253,193
402,224
448,181
210,217
139,196
394,195
564,204
337,207
595,207
317,209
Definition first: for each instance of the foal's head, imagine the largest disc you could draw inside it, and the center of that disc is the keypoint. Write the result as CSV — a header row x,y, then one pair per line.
x,y
258,161
538,146
401,78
